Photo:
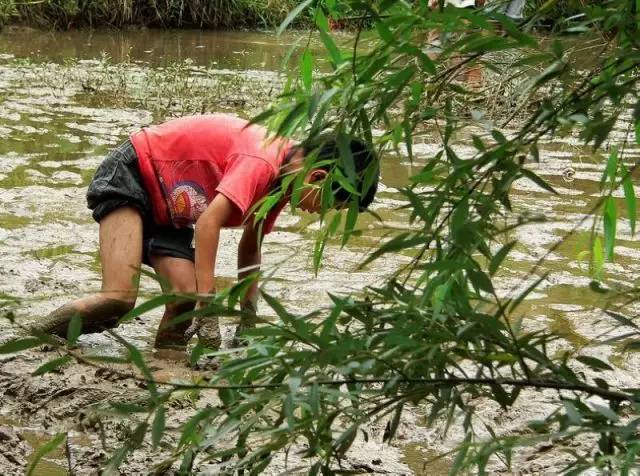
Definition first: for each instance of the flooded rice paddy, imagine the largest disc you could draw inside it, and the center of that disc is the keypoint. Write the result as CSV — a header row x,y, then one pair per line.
x,y
67,98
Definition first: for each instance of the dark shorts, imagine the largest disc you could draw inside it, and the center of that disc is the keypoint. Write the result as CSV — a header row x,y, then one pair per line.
x,y
118,183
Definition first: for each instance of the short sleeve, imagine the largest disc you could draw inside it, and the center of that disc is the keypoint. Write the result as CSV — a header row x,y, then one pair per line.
x,y
246,179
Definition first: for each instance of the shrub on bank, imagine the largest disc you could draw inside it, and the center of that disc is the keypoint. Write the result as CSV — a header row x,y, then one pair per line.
x,y
65,14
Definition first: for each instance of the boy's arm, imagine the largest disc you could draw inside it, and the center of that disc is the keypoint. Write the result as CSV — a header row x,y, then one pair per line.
x,y
249,259
207,236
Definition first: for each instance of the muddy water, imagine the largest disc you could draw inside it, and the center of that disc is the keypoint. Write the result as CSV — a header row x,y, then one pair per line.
x,y
57,120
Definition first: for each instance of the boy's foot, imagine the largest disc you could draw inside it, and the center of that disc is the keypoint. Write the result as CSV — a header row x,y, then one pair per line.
x,y
238,340
170,340
57,323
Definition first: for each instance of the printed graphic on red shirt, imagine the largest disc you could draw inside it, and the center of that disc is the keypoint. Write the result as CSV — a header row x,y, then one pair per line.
x,y
187,202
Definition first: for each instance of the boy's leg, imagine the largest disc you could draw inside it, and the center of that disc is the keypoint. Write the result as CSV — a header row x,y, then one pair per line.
x,y
121,256
180,276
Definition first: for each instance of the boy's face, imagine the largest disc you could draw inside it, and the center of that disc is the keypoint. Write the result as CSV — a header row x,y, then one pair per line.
x,y
311,196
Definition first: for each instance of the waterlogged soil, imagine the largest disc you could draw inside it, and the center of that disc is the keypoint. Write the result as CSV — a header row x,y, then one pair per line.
x,y
67,98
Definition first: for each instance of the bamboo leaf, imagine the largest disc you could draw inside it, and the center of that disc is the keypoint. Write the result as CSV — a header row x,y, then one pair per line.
x,y
611,167
329,44
350,223
75,329
597,258
307,69
400,242
20,344
538,181
526,292
572,412
52,365
499,257
606,412
138,361
277,307
292,16
44,450
609,219
394,423
594,363
631,201
157,428
624,320
152,303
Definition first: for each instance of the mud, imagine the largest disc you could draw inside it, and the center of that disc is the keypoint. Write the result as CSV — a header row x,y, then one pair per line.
x,y
65,99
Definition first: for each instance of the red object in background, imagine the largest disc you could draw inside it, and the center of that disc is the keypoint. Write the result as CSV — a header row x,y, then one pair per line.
x,y
336,24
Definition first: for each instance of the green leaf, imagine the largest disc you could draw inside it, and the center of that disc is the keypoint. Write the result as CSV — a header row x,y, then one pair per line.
x,y
622,319
277,307
480,280
499,257
148,306
630,200
227,396
329,44
350,223
52,365
345,440
306,69
609,219
572,412
20,344
393,424
138,361
461,455
597,258
189,430
606,412
75,329
610,169
45,449
157,428
526,292
538,180
292,16
594,363
401,242
321,19
128,408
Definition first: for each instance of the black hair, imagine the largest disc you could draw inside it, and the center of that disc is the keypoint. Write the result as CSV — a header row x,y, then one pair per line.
x,y
365,163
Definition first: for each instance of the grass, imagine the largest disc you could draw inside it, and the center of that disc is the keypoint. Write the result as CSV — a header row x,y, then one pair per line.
x,y
66,14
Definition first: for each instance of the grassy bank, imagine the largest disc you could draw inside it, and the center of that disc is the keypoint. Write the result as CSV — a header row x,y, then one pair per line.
x,y
65,14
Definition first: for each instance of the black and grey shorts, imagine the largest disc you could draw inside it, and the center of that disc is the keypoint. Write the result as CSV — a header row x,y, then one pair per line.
x,y
118,183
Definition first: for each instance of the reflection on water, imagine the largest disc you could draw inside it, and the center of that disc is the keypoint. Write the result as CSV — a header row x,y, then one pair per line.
x,y
53,139
228,49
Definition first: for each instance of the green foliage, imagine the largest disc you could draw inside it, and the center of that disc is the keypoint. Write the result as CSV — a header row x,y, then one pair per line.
x,y
65,14
44,450
438,334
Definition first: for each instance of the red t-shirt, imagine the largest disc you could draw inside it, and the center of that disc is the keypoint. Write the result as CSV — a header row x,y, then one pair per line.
x,y
186,162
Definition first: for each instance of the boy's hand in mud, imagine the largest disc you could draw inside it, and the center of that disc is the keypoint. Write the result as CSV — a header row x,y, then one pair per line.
x,y
207,329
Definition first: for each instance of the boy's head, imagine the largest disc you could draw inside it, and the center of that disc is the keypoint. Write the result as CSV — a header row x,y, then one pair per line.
x,y
329,157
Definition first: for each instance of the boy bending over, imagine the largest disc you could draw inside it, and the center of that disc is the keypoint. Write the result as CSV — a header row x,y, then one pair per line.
x,y
186,177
